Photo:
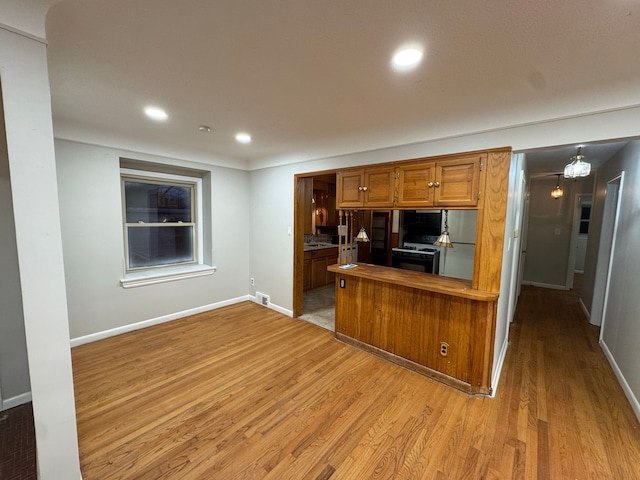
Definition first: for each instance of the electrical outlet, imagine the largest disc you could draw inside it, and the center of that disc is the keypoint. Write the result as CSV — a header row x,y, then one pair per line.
x,y
444,349
252,281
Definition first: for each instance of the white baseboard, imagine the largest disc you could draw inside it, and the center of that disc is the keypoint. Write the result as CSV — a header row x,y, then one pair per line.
x,y
273,306
545,285
584,309
16,401
94,337
498,370
633,400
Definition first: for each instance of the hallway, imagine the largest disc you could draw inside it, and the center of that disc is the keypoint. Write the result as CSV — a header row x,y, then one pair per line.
x,y
569,403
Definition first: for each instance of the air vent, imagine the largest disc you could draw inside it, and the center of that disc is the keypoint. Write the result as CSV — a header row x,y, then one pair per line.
x,y
262,299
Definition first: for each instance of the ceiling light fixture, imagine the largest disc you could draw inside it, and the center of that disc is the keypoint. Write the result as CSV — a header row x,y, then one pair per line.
x,y
243,137
204,128
577,168
156,113
557,192
406,59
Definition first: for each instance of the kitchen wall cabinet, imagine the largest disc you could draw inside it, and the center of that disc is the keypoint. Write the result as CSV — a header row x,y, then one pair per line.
x,y
324,195
447,182
368,188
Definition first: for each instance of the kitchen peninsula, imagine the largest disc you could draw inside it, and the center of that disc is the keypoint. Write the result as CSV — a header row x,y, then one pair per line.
x,y
441,327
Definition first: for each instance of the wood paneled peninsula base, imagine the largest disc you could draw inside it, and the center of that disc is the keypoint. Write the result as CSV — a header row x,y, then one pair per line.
x,y
437,326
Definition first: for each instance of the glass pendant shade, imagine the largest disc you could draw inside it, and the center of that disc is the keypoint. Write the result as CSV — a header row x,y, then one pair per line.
x,y
362,235
577,168
443,239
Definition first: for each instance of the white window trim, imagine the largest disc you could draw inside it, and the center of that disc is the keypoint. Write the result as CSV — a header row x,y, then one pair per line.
x,y
162,274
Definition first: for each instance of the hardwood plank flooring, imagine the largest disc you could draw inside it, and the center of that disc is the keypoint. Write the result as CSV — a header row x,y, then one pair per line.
x,y
246,393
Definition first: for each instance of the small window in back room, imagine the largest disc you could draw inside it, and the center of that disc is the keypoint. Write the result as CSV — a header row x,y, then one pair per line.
x,y
160,220
585,214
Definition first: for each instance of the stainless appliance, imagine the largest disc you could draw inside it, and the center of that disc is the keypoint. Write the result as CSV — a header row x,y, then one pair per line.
x,y
417,253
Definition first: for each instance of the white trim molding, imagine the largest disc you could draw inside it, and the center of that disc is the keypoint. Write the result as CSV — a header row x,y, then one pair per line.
x,y
633,400
16,401
150,277
94,337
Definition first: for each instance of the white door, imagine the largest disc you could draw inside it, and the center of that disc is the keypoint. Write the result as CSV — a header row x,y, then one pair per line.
x,y
581,252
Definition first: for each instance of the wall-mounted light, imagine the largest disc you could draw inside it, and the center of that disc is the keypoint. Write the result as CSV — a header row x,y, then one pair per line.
x,y
557,192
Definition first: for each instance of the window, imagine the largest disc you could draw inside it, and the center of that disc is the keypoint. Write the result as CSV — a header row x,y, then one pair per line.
x,y
585,215
161,220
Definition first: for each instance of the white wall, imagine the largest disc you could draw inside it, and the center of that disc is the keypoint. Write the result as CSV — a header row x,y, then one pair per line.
x,y
621,327
14,366
91,219
510,259
29,133
549,230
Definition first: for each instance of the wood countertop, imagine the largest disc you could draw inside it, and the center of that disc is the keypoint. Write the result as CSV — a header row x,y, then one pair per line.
x,y
423,281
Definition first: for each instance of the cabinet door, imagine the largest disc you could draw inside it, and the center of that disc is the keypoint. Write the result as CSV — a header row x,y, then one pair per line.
x,y
458,181
379,184
318,272
416,185
306,276
349,188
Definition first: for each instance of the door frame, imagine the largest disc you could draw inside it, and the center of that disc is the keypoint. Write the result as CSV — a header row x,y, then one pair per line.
x,y
298,237
606,250
579,201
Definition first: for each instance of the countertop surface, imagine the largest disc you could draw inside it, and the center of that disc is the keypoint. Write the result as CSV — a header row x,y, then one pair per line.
x,y
308,247
423,281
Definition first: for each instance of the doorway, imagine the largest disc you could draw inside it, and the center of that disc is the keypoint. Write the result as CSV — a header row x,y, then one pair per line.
x,y
315,220
579,239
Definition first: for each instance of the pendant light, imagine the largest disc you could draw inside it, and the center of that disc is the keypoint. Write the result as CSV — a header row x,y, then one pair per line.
x,y
557,192
362,234
577,168
443,239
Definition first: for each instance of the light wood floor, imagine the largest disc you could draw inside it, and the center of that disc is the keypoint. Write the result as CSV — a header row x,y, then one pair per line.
x,y
246,393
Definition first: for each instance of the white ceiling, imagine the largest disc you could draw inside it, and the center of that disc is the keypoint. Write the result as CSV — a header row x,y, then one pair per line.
x,y
312,78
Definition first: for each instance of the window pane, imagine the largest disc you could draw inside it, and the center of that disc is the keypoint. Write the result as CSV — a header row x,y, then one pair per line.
x,y
584,227
153,246
157,203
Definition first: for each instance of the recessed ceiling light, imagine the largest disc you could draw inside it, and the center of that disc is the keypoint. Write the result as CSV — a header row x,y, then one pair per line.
x,y
243,137
406,58
156,113
204,128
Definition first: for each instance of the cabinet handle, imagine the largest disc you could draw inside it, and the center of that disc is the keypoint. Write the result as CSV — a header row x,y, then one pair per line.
x,y
359,189
364,189
436,184
430,184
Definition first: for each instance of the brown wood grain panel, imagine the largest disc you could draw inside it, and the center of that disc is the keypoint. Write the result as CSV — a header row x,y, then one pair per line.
x,y
458,181
380,187
415,185
411,323
492,211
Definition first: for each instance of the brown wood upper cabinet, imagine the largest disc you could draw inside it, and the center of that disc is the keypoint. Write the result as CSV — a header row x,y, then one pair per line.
x,y
371,188
447,183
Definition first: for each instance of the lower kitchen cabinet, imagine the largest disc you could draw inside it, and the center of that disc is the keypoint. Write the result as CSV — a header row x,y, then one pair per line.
x,y
315,272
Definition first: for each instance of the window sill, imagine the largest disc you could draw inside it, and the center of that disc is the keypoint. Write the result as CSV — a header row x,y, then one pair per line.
x,y
152,277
